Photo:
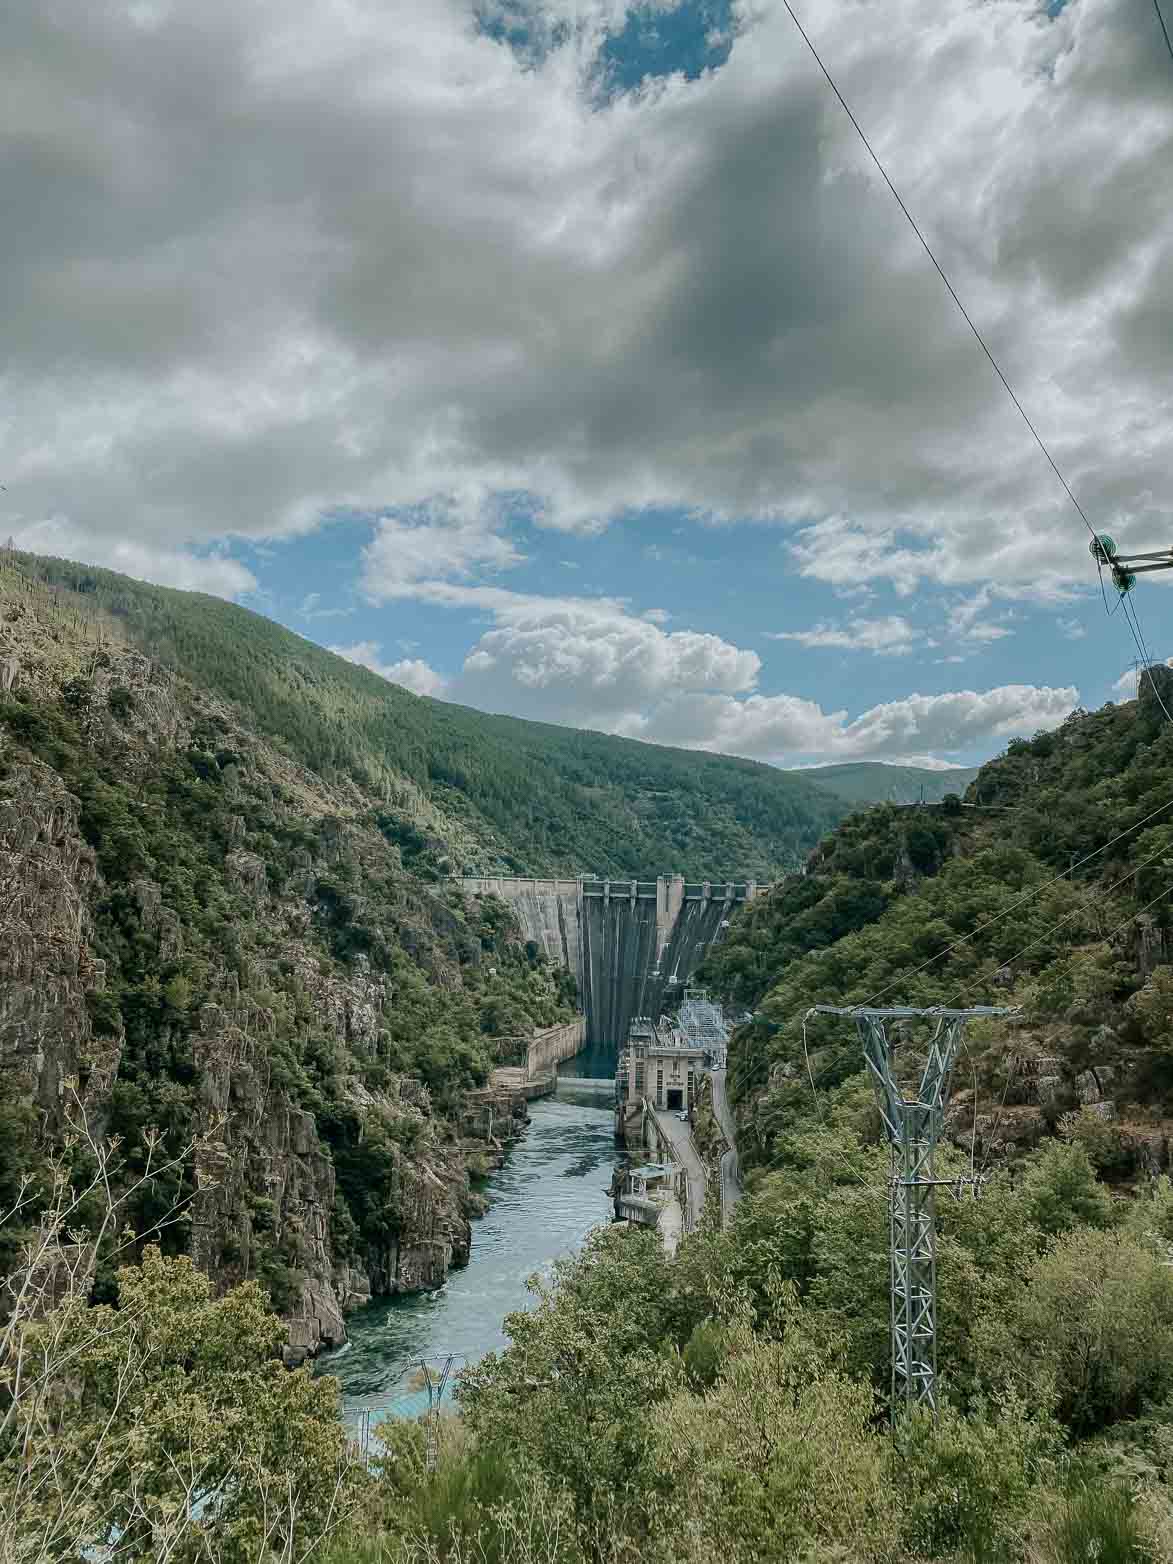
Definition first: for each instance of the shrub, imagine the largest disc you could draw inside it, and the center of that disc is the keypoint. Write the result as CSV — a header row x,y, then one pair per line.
x,y
1097,1317
1097,1523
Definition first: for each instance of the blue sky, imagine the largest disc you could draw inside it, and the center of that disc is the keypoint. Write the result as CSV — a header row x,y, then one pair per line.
x,y
567,357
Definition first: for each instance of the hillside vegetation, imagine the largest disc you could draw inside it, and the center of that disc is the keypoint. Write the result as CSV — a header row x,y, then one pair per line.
x,y
731,1403
476,791
876,782
204,939
1053,896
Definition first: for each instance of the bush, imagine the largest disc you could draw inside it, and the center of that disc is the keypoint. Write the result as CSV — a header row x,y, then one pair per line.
x,y
1097,1318
967,1483
1098,1523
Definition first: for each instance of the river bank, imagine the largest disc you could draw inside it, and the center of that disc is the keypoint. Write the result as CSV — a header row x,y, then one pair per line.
x,y
550,1191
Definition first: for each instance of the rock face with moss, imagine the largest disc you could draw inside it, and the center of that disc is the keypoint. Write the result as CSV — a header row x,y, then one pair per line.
x,y
199,933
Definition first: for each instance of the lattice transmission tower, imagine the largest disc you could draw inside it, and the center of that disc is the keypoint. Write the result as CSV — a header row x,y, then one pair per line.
x,y
912,1126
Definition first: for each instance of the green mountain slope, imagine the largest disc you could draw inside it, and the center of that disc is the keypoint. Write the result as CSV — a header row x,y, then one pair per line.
x,y
472,790
1054,895
203,937
875,782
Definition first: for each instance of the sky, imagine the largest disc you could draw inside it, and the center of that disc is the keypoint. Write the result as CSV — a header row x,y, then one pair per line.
x,y
569,358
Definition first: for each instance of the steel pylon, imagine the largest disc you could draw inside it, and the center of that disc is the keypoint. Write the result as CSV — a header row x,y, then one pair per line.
x,y
913,1127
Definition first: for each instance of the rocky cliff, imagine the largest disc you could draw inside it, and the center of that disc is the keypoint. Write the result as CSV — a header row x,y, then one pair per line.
x,y
199,934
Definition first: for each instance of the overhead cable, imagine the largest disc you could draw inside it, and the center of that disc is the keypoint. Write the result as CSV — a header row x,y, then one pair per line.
x,y
1142,647
1164,29
752,1070
968,318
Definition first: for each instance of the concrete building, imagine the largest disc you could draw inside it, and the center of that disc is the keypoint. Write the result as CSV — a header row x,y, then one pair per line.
x,y
654,1196
659,1065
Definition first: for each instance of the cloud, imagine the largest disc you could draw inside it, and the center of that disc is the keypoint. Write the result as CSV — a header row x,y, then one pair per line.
x,y
1125,685
782,727
269,263
434,543
214,573
1071,629
892,637
411,672
590,663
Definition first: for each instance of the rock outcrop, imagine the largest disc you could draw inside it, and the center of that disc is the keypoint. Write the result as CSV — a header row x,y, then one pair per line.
x,y
47,966
248,913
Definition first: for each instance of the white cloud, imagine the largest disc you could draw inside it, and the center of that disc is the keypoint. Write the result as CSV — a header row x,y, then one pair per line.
x,y
590,663
411,672
269,262
1071,629
406,552
893,636
1125,685
214,573
783,726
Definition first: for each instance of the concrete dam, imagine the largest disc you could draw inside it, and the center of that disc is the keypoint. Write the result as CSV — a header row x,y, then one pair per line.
x,y
632,945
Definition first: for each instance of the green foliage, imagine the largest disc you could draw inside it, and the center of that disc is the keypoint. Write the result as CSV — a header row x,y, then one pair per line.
x,y
177,931
172,1400
1099,1522
1097,1318
537,798
1062,1191
969,1482
778,1461
589,1359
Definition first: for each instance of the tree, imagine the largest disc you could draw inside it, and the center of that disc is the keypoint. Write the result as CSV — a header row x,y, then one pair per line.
x,y
165,1419
168,1423
778,1461
572,1391
1097,1320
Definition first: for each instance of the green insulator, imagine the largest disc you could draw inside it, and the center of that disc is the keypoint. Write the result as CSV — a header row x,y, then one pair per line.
x,y
1102,547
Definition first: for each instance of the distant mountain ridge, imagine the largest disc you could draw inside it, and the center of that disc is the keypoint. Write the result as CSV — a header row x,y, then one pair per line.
x,y
877,782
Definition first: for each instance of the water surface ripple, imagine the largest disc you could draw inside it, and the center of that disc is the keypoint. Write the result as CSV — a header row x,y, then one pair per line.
x,y
548,1195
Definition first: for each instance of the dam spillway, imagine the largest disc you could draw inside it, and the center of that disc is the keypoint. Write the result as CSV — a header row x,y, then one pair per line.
x,y
632,945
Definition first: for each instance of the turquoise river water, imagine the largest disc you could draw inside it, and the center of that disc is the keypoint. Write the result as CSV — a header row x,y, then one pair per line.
x,y
551,1191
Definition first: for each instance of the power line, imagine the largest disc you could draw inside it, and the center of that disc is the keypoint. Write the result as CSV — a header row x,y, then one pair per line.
x,y
1142,647
939,268
1164,29
1022,900
1035,891
968,318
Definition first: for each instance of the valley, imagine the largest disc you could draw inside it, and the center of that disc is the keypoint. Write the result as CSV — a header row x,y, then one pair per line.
x,y
270,973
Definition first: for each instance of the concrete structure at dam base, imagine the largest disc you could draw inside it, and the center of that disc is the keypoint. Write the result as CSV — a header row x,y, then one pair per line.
x,y
632,945
545,1051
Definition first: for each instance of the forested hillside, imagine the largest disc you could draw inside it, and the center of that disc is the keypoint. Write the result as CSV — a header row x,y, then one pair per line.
x,y
213,954
1052,895
475,791
876,782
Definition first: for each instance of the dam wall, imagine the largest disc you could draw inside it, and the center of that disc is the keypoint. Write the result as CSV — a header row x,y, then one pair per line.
x,y
632,945
549,912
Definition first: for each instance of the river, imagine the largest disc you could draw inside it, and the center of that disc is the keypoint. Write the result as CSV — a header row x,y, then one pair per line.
x,y
544,1200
